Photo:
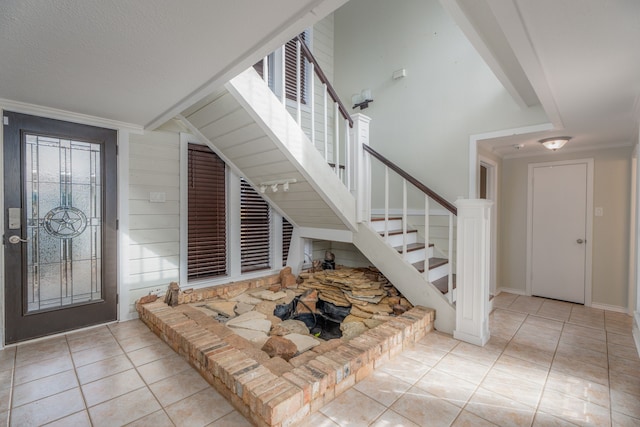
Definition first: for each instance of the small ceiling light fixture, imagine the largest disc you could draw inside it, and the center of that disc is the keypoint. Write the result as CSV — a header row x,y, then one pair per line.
x,y
273,185
555,143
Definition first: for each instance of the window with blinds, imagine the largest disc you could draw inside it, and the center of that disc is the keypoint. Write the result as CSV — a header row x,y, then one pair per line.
x,y
255,230
287,231
207,247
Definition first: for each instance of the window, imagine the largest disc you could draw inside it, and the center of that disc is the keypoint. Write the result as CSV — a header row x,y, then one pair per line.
x,y
207,247
255,230
287,231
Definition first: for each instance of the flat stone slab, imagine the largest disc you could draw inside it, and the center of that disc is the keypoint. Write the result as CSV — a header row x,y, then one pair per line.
x,y
246,298
255,337
270,296
302,342
262,325
251,315
243,307
223,307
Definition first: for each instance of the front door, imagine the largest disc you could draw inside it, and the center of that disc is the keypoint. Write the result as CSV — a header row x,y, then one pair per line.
x,y
60,238
560,198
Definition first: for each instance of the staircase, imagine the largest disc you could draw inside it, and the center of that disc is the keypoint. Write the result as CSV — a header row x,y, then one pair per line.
x,y
252,131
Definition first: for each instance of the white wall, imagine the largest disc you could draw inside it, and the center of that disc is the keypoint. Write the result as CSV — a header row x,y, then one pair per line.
x,y
345,253
610,232
421,122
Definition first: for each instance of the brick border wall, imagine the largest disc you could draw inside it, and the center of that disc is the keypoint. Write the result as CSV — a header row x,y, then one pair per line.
x,y
260,395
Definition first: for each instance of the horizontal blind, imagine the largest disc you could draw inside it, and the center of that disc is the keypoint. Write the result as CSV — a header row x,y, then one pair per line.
x,y
207,247
255,230
287,231
290,75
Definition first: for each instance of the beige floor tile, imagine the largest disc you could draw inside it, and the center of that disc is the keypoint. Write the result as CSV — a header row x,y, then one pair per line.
x,y
177,387
95,354
89,342
592,320
587,371
542,419
41,369
4,417
79,419
235,419
318,419
504,316
382,387
530,353
392,418
485,355
499,410
625,339
425,409
523,391
537,340
7,364
405,369
526,304
447,387
43,387
5,399
623,351
463,368
124,409
580,341
41,350
503,299
439,341
624,366
48,409
138,341
622,420
150,354
584,355
424,354
131,328
6,378
163,368
574,409
200,409
585,331
625,383
156,419
341,412
581,388
103,368
625,403
467,419
536,321
113,386
95,333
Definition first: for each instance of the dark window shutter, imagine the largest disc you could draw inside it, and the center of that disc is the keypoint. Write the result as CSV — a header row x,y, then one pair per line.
x,y
290,55
207,247
255,230
287,231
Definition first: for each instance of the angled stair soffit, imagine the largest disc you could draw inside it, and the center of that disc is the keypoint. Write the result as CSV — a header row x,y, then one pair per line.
x,y
498,33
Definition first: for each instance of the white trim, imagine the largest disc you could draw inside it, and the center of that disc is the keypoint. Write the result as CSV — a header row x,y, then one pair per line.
x,y
589,224
492,194
609,307
185,139
410,212
2,284
636,330
224,280
510,291
473,148
633,233
565,149
69,116
123,228
345,236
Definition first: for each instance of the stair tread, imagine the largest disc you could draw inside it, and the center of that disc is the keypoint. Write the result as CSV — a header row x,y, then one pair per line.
x,y
391,218
433,263
394,232
443,283
412,247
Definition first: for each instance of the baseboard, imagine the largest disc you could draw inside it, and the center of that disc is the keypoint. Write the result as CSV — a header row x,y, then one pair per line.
x,y
511,291
636,330
609,307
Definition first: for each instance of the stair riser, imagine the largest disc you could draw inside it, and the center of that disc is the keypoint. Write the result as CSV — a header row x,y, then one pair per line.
x,y
396,239
417,256
395,224
438,272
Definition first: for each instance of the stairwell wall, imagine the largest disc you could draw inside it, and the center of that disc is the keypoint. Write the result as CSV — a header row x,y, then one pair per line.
x,y
612,172
421,122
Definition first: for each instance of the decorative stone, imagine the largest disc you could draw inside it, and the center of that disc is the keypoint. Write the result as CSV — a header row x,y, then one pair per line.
x,y
242,308
302,342
252,315
262,325
147,299
171,298
352,318
278,366
257,338
247,299
372,323
352,329
290,326
277,346
270,296
223,307
398,309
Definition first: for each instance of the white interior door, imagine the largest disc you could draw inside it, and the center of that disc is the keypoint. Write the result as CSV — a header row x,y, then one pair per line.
x,y
559,230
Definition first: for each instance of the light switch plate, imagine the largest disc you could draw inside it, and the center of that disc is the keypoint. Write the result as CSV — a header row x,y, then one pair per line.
x,y
599,211
157,197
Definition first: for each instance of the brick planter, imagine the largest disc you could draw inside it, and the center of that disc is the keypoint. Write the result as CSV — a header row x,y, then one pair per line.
x,y
260,395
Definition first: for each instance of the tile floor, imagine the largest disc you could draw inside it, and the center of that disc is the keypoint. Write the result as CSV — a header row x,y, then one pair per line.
x,y
548,363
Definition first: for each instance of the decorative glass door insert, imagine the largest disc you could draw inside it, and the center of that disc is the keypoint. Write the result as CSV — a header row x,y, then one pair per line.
x,y
63,203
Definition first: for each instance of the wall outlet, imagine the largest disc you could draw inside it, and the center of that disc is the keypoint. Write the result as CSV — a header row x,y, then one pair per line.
x,y
157,197
599,211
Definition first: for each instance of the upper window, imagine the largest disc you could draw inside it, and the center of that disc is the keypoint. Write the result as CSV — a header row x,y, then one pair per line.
x,y
207,247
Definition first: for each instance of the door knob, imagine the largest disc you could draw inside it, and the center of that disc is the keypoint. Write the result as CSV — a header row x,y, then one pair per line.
x,y
580,241
17,239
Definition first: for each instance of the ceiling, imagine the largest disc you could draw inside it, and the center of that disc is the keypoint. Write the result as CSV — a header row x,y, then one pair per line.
x,y
141,61
579,59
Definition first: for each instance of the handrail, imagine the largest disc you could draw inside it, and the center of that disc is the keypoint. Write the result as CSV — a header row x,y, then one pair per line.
x,y
323,78
420,186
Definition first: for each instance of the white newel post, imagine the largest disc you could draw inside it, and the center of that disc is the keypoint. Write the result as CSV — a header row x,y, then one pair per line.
x,y
360,169
473,268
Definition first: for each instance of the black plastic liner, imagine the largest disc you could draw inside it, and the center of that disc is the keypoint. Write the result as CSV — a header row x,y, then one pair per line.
x,y
325,324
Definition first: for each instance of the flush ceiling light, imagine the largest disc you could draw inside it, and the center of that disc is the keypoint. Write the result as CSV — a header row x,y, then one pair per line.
x,y
555,143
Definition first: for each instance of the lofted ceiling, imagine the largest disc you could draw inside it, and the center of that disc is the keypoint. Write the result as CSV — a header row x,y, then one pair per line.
x,y
141,61
578,58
